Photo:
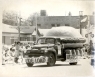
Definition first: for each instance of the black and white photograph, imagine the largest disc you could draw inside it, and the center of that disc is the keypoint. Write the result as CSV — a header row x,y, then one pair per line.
x,y
47,38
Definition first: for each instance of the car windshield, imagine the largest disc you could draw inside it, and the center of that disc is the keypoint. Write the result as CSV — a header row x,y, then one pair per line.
x,y
45,41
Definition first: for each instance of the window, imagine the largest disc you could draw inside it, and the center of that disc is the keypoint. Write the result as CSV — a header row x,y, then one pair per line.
x,y
58,25
12,41
53,25
46,41
28,38
57,19
22,38
41,41
3,39
50,40
67,25
39,25
34,38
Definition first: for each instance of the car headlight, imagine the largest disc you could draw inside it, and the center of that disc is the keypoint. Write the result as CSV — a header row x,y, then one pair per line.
x,y
44,50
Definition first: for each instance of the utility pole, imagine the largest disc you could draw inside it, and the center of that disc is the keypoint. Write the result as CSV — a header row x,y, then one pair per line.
x,y
19,28
69,14
80,26
80,16
36,28
88,30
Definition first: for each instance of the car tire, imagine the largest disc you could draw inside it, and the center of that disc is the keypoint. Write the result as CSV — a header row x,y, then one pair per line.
x,y
51,60
29,64
74,63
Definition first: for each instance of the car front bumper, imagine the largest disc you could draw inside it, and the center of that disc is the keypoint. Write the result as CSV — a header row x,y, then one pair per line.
x,y
41,59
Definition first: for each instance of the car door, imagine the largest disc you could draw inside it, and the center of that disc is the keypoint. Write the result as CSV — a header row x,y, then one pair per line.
x,y
58,44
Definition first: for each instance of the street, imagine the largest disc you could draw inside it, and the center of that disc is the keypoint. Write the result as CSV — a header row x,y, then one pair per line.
x,y
35,31
83,68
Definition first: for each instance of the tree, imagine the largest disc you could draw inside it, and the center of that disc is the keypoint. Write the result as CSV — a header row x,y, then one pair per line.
x,y
10,18
31,19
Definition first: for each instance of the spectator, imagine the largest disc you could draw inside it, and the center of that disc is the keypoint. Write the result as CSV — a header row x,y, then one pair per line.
x,y
21,51
17,51
12,53
5,54
84,51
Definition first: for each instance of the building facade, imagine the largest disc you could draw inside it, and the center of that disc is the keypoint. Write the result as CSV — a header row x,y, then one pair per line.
x,y
78,22
47,22
28,33
10,33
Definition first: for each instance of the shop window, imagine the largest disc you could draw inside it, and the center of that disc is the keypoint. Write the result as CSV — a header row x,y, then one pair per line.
x,y
22,38
3,39
28,38
58,25
34,38
12,41
53,25
67,25
39,25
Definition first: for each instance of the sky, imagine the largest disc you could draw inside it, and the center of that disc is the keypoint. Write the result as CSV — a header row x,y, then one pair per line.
x,y
53,7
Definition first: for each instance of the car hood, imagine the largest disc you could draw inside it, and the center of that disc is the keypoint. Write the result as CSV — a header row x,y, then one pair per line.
x,y
43,46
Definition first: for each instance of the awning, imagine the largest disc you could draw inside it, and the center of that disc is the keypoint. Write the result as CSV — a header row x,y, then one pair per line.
x,y
9,34
15,35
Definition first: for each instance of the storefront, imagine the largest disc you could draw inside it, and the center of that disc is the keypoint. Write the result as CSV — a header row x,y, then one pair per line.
x,y
10,34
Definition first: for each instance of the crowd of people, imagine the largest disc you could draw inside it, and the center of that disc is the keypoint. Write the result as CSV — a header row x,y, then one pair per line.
x,y
86,51
14,53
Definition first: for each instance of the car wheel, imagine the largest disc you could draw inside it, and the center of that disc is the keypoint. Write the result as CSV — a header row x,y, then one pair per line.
x,y
74,63
29,64
51,60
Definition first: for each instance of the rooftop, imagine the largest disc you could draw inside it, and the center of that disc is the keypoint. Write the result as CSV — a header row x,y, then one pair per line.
x,y
14,29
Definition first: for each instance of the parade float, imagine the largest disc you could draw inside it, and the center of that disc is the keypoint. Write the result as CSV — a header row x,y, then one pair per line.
x,y
58,44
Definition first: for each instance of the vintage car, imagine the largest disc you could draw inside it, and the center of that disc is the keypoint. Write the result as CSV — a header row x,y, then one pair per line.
x,y
50,49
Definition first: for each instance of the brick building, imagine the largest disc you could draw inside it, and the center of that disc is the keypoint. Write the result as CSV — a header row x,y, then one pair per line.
x,y
47,22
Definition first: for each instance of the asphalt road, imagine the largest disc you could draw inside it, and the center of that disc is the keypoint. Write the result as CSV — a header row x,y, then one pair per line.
x,y
83,68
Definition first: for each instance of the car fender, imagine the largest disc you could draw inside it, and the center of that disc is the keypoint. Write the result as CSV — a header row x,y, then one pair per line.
x,y
53,51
